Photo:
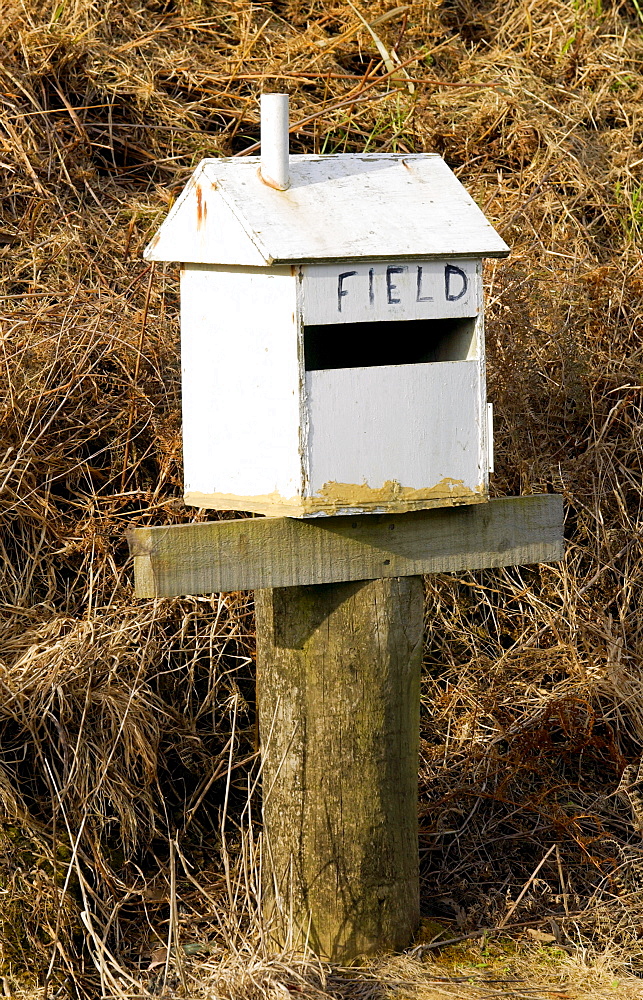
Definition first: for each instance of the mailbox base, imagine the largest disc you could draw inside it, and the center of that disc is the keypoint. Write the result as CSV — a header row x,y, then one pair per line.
x,y
338,669
343,500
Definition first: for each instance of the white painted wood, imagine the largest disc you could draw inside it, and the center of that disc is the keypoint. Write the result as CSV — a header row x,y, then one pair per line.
x,y
370,291
200,221
373,238
419,426
258,436
261,435
340,207
274,140
241,398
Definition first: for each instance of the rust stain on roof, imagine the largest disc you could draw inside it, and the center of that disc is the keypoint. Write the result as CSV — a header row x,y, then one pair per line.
x,y
201,207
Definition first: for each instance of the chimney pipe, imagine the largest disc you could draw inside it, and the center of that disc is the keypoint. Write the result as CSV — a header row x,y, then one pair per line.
x,y
274,141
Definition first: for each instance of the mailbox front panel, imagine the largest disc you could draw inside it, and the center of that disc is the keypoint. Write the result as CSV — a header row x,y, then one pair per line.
x,y
395,399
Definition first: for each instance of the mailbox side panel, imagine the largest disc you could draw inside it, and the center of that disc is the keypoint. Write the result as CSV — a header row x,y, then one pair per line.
x,y
241,395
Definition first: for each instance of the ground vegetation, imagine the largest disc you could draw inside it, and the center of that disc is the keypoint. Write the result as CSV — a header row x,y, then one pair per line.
x,y
128,756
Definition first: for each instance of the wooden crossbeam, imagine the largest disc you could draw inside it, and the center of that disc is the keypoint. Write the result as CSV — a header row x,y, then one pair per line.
x,y
338,672
256,553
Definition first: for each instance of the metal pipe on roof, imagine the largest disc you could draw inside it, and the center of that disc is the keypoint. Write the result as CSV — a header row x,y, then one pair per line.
x,y
274,141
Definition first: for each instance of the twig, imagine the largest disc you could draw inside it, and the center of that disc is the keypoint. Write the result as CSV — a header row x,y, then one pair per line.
x,y
174,932
562,880
359,99
526,886
137,366
420,949
224,813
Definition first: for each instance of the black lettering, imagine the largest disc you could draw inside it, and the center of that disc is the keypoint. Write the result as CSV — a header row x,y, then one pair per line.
x,y
371,290
450,271
390,287
419,297
341,291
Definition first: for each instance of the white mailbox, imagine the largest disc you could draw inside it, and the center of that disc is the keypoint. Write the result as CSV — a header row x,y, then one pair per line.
x,y
332,333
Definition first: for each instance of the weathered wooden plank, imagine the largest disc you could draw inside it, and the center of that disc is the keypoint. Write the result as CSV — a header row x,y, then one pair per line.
x,y
283,552
338,690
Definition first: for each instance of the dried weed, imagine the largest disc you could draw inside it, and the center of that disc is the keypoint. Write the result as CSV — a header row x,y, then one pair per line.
x,y
119,719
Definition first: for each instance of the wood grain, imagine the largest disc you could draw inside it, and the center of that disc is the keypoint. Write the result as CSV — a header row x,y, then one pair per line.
x,y
283,552
338,682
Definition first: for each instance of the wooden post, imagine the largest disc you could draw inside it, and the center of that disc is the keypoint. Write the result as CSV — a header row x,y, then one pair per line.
x,y
338,670
339,638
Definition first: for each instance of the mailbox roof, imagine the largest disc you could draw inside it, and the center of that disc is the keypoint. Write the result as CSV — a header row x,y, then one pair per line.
x,y
340,207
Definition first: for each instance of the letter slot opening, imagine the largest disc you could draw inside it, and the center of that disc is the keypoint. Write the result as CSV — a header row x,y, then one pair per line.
x,y
407,342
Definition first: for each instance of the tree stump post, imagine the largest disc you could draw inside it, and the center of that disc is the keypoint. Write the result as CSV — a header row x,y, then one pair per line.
x,y
338,670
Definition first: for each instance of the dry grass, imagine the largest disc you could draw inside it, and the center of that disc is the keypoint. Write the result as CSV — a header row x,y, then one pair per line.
x,y
125,725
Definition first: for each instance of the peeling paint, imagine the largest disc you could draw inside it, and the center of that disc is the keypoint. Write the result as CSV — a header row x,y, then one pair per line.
x,y
270,504
347,499
392,497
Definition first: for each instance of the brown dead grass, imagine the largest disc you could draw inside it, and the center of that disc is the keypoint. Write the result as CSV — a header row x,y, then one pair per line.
x,y
126,725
